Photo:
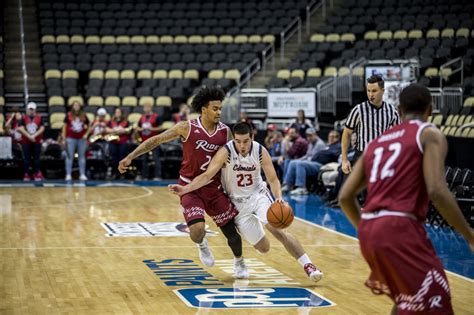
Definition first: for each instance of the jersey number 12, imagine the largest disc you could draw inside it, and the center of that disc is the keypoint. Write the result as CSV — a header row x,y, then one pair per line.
x,y
387,170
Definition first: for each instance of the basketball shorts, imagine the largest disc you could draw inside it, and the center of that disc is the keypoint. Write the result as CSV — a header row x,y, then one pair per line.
x,y
404,265
252,215
209,199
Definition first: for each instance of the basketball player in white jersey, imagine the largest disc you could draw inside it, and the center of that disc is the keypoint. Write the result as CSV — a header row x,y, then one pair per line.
x,y
241,161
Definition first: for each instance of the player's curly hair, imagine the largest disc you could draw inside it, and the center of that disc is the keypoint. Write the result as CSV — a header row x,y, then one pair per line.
x,y
206,95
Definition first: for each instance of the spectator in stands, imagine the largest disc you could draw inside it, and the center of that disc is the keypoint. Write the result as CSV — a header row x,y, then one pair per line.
x,y
183,114
11,129
119,127
74,135
271,130
32,129
275,150
311,163
369,119
97,131
297,147
301,123
148,126
245,118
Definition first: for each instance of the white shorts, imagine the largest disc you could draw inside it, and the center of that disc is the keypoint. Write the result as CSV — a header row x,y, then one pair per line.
x,y
252,213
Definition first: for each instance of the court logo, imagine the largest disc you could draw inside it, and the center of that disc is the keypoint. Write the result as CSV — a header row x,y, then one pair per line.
x,y
148,229
239,298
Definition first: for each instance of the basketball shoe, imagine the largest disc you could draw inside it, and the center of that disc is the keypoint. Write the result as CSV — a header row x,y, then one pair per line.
x,y
240,269
313,272
205,254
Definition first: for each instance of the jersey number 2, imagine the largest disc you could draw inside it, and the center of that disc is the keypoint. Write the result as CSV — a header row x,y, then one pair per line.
x,y
205,164
244,180
387,170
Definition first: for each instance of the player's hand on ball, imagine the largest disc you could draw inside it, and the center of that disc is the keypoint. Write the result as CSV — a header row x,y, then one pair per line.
x,y
124,164
176,189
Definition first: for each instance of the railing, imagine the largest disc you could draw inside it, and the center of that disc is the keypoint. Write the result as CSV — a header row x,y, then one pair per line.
x,y
447,65
230,106
285,35
310,9
356,82
326,92
437,99
248,72
452,97
23,52
267,54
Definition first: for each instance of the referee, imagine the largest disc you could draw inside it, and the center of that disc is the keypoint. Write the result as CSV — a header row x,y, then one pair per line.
x,y
369,120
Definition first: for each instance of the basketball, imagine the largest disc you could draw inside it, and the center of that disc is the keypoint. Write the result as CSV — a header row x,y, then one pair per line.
x,y
280,215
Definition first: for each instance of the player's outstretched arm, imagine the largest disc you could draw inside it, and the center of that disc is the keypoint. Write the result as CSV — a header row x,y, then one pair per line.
x,y
215,165
179,130
435,149
270,174
348,194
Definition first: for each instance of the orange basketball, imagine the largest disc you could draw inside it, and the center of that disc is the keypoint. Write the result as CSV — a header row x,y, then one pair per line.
x,y
280,215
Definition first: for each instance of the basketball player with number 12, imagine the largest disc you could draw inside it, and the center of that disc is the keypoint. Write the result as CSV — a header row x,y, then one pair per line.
x,y
241,161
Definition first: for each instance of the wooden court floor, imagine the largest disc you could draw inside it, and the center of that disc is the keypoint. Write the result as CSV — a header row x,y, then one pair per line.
x,y
56,258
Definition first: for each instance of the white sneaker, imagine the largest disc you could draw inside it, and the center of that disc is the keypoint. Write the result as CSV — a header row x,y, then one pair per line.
x,y
240,269
299,191
83,177
285,188
313,272
68,177
205,254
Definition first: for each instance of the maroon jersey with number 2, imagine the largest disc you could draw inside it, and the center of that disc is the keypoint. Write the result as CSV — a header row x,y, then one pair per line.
x,y
392,238
198,149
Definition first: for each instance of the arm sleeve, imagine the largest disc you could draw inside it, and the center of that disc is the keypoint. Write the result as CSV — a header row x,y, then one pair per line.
x,y
353,118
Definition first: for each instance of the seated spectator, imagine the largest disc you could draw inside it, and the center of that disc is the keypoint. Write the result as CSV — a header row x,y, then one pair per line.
x,y
32,129
276,150
297,147
119,127
97,130
183,114
268,142
301,123
298,170
11,129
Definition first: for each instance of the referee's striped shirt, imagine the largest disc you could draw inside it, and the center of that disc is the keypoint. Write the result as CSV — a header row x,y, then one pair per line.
x,y
369,122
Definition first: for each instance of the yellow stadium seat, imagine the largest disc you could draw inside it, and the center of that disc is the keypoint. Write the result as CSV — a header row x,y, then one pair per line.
x,y
330,72
462,32
317,38
133,118
431,72
195,39
56,120
400,34
96,74
167,124
137,39
144,74
191,74
112,74
122,39
447,33
415,34
333,37
56,101
70,74
129,101
92,39
112,101
146,100
432,33
175,74
438,120
283,74
152,39
348,37
108,39
226,39
343,71
48,39
385,35
241,39
160,74
180,39
166,39
164,101
371,35
469,101
62,39
73,99
232,74
255,39
297,73
90,116
314,72
216,74
210,39
95,101
77,39
268,38
127,74
52,74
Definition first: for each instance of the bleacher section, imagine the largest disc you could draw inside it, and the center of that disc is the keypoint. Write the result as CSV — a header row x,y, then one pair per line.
x,y
388,30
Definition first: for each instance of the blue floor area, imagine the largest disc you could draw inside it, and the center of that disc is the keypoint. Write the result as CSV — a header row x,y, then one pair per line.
x,y
450,246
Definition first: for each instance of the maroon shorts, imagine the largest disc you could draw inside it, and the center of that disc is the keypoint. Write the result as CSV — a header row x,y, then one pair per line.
x,y
404,265
209,199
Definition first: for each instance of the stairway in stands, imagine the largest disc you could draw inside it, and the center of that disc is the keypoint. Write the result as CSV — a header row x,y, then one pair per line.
x,y
261,79
14,80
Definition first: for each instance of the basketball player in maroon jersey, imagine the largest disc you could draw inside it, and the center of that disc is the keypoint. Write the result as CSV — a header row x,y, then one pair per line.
x,y
403,169
201,138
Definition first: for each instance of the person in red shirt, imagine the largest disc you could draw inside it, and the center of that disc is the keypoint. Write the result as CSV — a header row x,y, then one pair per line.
x,y
149,126
32,129
74,135
120,127
183,114
11,129
403,169
201,138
